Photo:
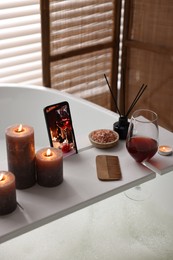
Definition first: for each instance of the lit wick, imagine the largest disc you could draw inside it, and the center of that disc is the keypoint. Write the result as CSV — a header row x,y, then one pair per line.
x,y
165,150
19,129
1,177
48,153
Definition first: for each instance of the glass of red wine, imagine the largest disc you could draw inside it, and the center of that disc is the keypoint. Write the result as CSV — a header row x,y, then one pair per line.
x,y
142,143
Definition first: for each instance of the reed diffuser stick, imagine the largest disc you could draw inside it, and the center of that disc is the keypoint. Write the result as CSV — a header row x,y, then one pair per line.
x,y
139,94
112,95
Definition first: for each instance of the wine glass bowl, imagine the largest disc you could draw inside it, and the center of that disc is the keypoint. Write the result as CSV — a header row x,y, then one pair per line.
x,y
142,144
142,136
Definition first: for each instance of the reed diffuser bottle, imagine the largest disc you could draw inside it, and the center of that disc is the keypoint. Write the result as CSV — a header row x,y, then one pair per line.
x,y
121,126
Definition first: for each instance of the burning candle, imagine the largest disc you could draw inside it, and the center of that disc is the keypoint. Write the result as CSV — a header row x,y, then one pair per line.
x,y
49,167
21,154
8,201
165,150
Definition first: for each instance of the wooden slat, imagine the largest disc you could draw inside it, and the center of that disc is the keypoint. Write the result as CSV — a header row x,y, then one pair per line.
x,y
147,57
45,33
149,47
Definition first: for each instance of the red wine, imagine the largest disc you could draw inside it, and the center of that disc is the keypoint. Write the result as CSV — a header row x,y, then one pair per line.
x,y
141,148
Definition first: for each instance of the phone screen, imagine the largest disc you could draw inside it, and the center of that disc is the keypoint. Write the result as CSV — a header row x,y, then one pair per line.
x,y
60,128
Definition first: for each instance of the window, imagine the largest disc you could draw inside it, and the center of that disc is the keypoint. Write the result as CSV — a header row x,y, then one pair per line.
x,y
20,42
80,45
87,36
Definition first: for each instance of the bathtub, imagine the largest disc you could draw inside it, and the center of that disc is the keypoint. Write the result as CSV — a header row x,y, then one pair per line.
x,y
115,228
24,104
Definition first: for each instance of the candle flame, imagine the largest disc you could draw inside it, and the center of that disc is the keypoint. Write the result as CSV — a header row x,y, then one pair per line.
x,y
1,176
20,128
48,152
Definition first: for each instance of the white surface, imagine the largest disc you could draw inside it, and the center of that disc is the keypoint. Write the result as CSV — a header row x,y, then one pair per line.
x,y
19,104
115,228
79,189
81,186
159,163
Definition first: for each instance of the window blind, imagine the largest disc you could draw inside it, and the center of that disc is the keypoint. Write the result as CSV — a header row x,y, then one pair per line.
x,y
20,42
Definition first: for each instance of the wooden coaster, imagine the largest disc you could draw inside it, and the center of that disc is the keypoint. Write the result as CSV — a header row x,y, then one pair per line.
x,y
108,167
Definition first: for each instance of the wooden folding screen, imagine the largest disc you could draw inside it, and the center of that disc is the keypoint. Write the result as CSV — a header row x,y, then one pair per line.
x,y
148,56
80,42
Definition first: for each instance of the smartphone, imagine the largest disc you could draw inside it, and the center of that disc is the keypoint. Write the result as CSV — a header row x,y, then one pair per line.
x,y
60,128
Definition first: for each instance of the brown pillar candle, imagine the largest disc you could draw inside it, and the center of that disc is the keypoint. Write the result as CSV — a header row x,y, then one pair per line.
x,y
49,167
8,201
21,154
